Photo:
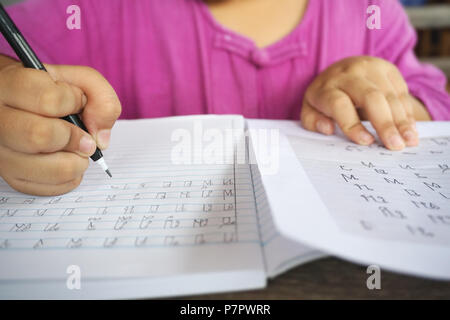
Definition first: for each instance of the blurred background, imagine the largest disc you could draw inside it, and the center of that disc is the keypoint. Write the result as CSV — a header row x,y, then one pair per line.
x,y
431,18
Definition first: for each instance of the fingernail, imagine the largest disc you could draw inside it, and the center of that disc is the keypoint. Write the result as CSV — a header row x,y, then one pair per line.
x,y
84,100
103,138
365,138
324,127
409,135
87,145
396,142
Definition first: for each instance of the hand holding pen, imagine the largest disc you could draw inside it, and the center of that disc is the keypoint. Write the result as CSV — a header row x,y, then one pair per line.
x,y
44,145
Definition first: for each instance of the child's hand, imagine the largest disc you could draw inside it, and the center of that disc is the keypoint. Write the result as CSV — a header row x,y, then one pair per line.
x,y
370,86
41,154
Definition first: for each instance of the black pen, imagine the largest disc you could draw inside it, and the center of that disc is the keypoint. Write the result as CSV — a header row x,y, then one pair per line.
x,y
30,60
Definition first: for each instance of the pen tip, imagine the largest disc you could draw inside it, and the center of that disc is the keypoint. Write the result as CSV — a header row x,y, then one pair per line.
x,y
109,173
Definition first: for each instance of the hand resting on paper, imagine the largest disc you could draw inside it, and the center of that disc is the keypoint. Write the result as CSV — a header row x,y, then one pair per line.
x,y
363,88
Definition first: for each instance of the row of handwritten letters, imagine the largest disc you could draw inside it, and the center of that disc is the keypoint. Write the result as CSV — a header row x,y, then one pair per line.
x,y
198,226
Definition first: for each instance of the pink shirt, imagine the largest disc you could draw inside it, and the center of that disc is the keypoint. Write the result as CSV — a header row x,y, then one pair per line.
x,y
170,57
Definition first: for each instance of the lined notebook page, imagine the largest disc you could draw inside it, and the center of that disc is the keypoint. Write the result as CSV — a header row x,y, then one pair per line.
x,y
153,219
280,253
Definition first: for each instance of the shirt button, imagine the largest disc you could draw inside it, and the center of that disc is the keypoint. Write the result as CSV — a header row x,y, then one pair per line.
x,y
260,57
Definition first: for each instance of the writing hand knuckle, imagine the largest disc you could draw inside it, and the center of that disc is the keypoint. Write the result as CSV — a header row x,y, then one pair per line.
x,y
113,109
39,136
49,101
66,93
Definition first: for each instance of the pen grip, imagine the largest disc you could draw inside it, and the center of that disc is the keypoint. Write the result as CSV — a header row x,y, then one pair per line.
x,y
30,60
75,120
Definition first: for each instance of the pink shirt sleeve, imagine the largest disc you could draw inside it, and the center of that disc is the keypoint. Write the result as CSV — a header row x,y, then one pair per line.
x,y
395,42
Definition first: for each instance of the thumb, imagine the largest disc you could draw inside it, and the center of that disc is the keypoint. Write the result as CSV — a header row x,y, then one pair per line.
x,y
103,106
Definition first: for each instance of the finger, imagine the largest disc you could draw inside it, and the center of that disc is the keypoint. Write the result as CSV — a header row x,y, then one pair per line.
x,y
398,108
31,133
408,105
52,168
396,79
365,94
401,88
337,104
39,189
103,106
35,91
402,121
314,120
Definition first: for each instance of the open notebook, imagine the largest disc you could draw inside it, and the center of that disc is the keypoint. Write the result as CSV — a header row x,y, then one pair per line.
x,y
200,204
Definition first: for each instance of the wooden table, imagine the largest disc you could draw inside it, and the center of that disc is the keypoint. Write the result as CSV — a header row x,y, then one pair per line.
x,y
332,278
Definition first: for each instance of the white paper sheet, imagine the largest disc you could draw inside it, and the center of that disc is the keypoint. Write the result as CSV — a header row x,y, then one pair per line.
x,y
328,210
155,222
371,192
280,252
159,229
